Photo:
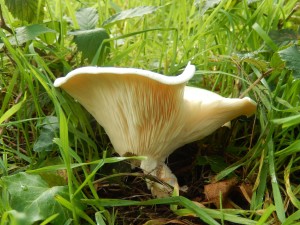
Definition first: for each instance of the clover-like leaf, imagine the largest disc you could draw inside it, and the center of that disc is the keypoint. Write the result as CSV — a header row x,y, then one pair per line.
x,y
284,36
87,18
28,33
206,5
89,42
56,27
48,131
291,57
130,13
32,196
216,162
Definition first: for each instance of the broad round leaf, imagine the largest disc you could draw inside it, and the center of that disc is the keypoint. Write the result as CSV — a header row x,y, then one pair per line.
x,y
87,18
26,10
31,195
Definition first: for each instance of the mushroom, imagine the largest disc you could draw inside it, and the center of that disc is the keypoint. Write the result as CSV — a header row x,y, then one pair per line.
x,y
149,114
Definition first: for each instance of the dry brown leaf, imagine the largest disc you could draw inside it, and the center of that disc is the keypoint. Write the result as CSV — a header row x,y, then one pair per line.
x,y
222,189
246,190
63,173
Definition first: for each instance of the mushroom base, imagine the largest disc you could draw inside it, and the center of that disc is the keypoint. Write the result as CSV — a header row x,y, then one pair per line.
x,y
168,181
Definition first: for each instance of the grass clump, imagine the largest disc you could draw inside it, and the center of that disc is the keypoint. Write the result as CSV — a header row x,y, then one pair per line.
x,y
50,144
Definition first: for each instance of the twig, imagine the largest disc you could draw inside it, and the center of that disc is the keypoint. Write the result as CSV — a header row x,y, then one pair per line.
x,y
256,82
294,10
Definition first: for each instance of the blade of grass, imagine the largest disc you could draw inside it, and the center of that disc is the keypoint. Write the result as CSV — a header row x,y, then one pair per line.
x,y
268,211
49,219
179,200
72,208
289,190
89,177
265,36
71,12
9,92
260,185
293,219
275,186
288,121
291,149
99,218
77,165
66,158
15,108
191,208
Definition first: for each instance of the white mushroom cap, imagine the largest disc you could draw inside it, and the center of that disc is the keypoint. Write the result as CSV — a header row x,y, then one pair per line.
x,y
149,114
207,111
141,111
187,74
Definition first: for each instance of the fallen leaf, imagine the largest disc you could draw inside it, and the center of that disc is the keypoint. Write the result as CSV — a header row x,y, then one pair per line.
x,y
214,191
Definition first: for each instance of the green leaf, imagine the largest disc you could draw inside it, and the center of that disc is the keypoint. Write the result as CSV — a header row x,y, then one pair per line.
x,y
293,219
49,130
51,37
267,212
251,1
287,121
31,195
15,108
206,5
275,186
284,36
1,44
28,33
216,162
290,150
189,208
20,218
89,41
276,63
87,18
130,13
291,56
26,10
252,59
99,218
262,33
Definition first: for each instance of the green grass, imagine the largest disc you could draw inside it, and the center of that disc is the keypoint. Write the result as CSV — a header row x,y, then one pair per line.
x,y
232,46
